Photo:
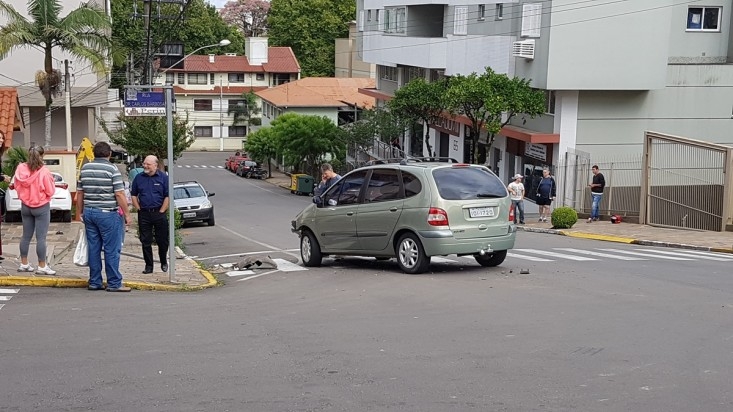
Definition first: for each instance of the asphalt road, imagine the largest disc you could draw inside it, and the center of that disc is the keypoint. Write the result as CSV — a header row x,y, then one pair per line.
x,y
606,334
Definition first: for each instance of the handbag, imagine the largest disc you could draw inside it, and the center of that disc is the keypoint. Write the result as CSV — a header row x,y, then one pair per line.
x,y
81,253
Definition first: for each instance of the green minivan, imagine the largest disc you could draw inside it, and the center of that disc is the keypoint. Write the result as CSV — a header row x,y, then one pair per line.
x,y
411,211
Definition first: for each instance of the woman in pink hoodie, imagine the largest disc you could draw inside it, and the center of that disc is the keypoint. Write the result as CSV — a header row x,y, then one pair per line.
x,y
35,186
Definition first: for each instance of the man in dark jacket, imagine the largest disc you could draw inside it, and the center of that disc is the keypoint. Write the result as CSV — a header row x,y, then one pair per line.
x,y
596,192
328,179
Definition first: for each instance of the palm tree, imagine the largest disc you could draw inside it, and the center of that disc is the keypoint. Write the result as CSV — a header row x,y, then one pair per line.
x,y
84,33
245,111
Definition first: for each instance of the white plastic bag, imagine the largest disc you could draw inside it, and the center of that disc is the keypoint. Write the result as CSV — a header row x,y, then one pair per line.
x,y
81,254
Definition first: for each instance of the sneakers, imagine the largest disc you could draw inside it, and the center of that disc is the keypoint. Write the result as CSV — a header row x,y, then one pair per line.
x,y
26,268
589,220
46,270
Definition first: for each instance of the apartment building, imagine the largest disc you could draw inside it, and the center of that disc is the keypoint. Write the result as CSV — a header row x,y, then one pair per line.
x,y
206,86
347,61
610,69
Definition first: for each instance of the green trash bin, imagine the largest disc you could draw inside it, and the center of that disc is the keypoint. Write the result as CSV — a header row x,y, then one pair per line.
x,y
304,185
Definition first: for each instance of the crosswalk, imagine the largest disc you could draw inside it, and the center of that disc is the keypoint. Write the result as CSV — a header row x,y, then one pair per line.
x,y
6,295
213,167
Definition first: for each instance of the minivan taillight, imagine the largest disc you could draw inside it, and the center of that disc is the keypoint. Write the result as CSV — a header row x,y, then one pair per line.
x,y
437,217
511,213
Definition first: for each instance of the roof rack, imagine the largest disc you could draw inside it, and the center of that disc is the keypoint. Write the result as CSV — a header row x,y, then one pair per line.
x,y
404,161
434,159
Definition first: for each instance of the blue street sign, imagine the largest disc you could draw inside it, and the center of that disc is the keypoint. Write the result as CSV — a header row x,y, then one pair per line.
x,y
144,99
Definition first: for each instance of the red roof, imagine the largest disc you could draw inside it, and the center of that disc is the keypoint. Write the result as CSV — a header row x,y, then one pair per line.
x,y
226,90
279,60
320,92
9,113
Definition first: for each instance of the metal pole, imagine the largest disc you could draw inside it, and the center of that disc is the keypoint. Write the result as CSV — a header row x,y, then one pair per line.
x,y
171,203
221,117
67,89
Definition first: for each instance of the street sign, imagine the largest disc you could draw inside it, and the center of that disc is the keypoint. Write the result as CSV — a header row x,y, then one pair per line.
x,y
136,98
145,111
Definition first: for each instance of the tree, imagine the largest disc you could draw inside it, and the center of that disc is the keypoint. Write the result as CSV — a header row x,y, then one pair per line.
x,y
490,101
83,33
420,100
377,123
249,16
310,28
246,111
261,146
148,135
304,140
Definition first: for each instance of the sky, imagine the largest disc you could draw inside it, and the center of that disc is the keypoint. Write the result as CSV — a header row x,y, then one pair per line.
x,y
218,3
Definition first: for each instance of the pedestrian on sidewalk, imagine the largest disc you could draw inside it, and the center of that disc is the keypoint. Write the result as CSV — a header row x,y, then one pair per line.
x,y
516,188
35,186
546,191
596,191
150,197
5,179
99,198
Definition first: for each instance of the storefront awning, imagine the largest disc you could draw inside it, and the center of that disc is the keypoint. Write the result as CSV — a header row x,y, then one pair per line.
x,y
529,136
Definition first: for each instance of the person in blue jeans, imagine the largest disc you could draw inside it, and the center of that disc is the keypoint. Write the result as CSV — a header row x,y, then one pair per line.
x,y
596,192
100,197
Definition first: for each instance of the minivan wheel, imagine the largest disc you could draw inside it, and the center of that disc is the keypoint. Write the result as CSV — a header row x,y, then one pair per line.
x,y
310,250
491,260
411,255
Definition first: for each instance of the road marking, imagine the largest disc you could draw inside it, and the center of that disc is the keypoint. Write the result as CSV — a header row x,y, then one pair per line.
x,y
720,255
9,290
1,305
557,255
719,259
263,244
532,258
645,254
599,254
287,266
256,276
248,253
5,298
235,273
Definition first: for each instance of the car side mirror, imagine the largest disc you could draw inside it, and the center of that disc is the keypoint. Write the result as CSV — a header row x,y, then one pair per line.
x,y
210,194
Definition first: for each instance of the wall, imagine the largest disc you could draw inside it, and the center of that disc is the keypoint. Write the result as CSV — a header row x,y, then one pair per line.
x,y
36,127
699,47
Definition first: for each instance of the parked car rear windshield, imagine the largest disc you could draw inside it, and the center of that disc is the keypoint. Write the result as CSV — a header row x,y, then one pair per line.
x,y
461,183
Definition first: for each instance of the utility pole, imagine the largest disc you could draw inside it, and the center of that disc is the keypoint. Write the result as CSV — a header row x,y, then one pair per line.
x,y
147,62
221,117
67,93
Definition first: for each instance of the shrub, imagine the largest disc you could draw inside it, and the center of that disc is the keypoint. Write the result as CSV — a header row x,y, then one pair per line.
x,y
564,218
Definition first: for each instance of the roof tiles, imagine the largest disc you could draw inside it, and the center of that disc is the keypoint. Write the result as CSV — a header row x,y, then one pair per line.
x,y
279,60
8,113
320,92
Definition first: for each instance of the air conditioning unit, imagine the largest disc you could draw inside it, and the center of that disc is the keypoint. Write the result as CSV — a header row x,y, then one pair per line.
x,y
524,49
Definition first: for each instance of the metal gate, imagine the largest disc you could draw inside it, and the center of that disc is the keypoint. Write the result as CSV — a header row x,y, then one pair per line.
x,y
574,170
686,183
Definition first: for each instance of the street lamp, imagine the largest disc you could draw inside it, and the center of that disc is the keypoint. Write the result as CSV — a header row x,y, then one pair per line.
x,y
222,43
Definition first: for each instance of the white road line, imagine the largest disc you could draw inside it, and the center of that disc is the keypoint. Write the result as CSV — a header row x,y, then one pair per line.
x,y
720,255
188,166
599,254
5,298
532,258
6,291
645,254
438,259
248,253
256,276
204,166
686,255
263,244
235,273
286,266
220,167
557,255
1,305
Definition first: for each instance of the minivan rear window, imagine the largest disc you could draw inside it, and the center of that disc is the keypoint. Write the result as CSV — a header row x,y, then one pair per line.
x,y
462,183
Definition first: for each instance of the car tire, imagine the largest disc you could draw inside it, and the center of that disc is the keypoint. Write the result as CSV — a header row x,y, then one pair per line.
x,y
491,260
211,221
310,250
66,216
411,254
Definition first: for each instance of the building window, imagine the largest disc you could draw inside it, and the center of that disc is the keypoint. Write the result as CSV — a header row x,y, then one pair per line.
x,y
169,78
394,20
181,78
499,11
531,19
703,18
198,78
376,16
260,76
203,131
236,102
202,105
413,73
388,73
236,77
460,21
481,11
237,131
211,78
280,78
550,101
369,15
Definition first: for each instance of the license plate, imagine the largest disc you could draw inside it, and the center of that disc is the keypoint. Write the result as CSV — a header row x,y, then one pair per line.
x,y
190,214
481,212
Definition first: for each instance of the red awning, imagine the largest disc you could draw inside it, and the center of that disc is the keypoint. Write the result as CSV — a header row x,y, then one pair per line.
x,y
529,136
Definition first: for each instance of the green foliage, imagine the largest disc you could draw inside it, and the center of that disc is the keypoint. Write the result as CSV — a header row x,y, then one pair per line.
x,y
304,140
378,122
245,113
261,145
491,100
148,135
420,100
13,157
564,218
310,29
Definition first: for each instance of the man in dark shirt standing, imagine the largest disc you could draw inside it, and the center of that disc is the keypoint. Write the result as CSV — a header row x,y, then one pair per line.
x,y
596,192
328,179
150,197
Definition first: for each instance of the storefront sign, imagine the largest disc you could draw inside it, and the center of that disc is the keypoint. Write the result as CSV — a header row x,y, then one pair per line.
x,y
536,151
449,126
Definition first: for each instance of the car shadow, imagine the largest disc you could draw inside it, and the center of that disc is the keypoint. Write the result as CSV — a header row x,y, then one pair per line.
x,y
391,266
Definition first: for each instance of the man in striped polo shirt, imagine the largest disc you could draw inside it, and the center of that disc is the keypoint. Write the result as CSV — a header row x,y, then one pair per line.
x,y
99,199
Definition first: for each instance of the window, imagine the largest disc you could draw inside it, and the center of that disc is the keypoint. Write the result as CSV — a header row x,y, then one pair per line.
x,y
237,131
460,21
198,78
394,19
388,73
369,15
531,19
550,101
376,16
413,73
346,191
481,11
236,102
412,184
499,12
211,78
703,19
236,77
181,78
463,183
169,78
260,76
384,185
203,131
202,105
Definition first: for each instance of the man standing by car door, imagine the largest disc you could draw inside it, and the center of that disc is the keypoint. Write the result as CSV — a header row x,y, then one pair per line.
x,y
150,197
328,179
